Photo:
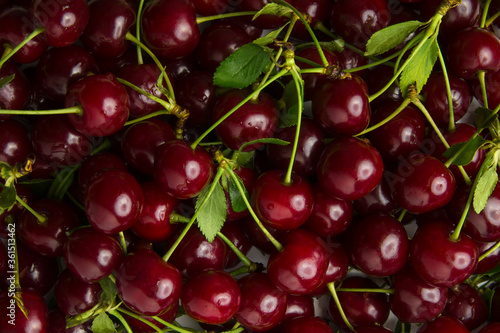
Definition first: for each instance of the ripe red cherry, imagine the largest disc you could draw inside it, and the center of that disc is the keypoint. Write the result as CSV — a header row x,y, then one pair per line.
x,y
489,262
253,120
349,168
316,11
466,304
210,7
438,259
378,201
181,171
211,297
15,94
169,28
73,295
307,324
35,305
282,206
15,144
490,328
147,284
113,201
96,164
104,101
443,324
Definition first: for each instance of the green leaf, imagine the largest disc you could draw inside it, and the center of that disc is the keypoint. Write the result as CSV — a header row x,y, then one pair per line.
x,y
418,70
6,80
273,141
62,183
237,202
484,117
485,186
270,37
273,9
109,291
103,324
468,148
212,215
7,198
402,327
242,67
390,37
245,157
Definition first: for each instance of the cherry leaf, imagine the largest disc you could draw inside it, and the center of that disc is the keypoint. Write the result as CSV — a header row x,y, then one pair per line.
x,y
270,37
237,202
7,198
484,117
390,37
62,183
212,214
273,141
242,67
420,67
109,291
6,80
465,151
103,324
485,186
273,9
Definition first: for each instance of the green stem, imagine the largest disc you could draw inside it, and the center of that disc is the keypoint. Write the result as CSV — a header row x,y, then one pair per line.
x,y
408,45
481,76
490,251
123,242
122,320
158,100
403,105
367,290
247,262
486,7
77,109
28,38
459,152
456,233
451,122
41,218
492,19
135,316
331,287
203,19
146,117
140,61
173,327
402,215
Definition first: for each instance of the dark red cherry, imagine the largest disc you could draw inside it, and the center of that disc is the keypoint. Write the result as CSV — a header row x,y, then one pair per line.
x,y
280,205
490,328
57,324
492,83
113,201
139,326
316,11
466,304
110,20
47,237
378,201
97,163
247,23
91,255
13,319
75,296
211,296
263,305
140,141
104,101
422,184
298,306
489,262
64,147
341,106
210,7
307,324
438,259
169,28
349,168
181,171
15,145
154,222
472,50
253,120
414,300
63,21
234,231
266,21
444,324
147,284
376,78
15,94
258,238
379,245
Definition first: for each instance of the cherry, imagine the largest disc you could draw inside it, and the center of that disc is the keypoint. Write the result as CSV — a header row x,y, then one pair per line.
x,y
422,184
247,23
492,83
97,163
140,141
263,305
169,28
258,238
75,296
109,22
309,148
210,7
64,147
490,261
349,168
490,328
57,324
113,201
47,237
248,177
234,232
15,94
307,324
280,205
378,201
211,296
265,21
414,300
466,304
376,78
256,119
301,265
440,260
341,106
444,324
104,101
63,22
34,304
15,145
298,306
472,50
181,171
147,284
91,255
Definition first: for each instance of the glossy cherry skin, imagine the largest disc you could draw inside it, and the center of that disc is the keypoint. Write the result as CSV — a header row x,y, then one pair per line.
x,y
263,305
378,201
376,78
439,260
138,326
210,7
63,22
444,324
15,145
349,168
341,106
490,261
422,184
282,206
181,171
211,296
104,101
253,120
91,255
147,284
113,201
34,304
466,304
169,28
265,21
307,324
490,328
110,20
140,141
300,267
414,300
472,50
47,238
97,163
259,239
298,306
360,308
316,11
73,295
15,94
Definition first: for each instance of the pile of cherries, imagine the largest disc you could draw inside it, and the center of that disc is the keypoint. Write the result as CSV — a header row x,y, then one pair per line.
x,y
138,182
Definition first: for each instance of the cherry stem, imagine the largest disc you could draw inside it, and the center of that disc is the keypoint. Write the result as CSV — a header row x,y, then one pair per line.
x,y
28,38
271,238
481,77
244,259
484,15
158,100
218,175
408,45
402,215
140,61
456,233
77,109
331,287
367,290
203,19
451,123
491,19
42,219
249,97
146,117
490,251
172,326
400,108
122,320
123,242
136,316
